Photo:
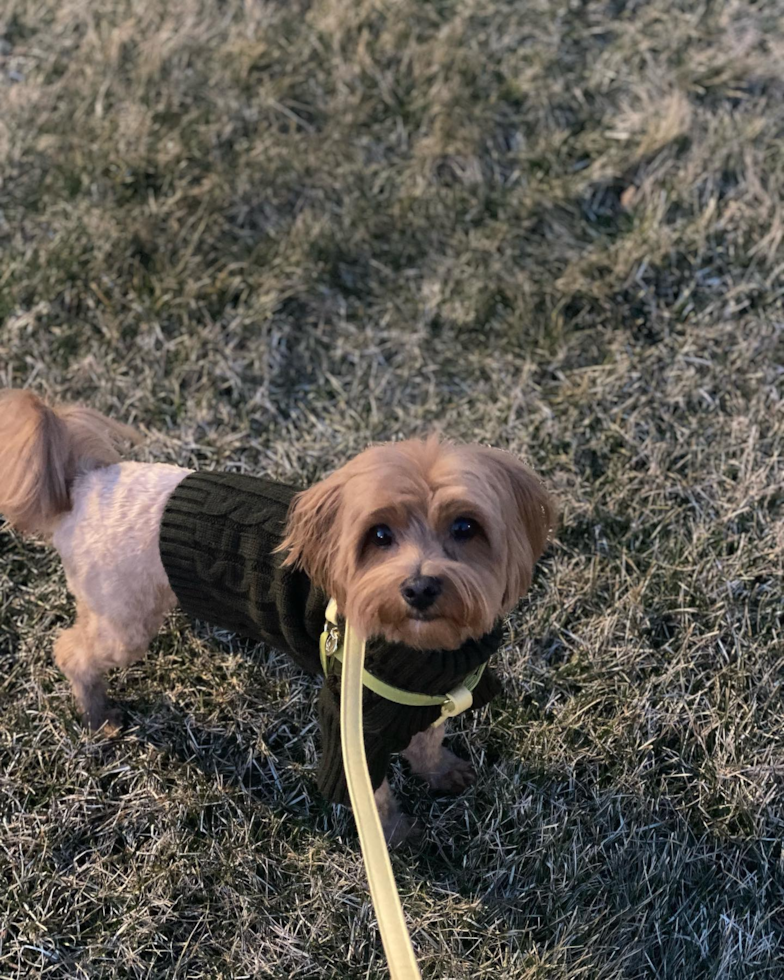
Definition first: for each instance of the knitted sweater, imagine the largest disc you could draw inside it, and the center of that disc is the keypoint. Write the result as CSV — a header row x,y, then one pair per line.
x,y
217,543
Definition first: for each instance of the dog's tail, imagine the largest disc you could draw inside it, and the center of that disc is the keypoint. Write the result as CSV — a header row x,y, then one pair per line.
x,y
43,449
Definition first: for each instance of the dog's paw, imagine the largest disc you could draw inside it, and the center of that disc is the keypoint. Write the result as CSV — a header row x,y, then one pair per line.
x,y
401,829
397,826
107,721
453,776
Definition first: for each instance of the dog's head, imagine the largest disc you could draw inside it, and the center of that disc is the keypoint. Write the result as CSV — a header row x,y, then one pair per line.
x,y
422,542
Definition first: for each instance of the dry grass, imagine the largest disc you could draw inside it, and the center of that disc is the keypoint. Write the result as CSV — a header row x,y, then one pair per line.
x,y
271,234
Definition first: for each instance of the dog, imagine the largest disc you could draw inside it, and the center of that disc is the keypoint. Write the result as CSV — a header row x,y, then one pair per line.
x,y
424,545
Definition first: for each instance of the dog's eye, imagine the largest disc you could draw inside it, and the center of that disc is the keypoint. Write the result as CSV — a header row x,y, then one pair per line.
x,y
381,536
463,528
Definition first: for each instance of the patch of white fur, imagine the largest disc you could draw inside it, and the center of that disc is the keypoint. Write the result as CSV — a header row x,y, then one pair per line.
x,y
109,545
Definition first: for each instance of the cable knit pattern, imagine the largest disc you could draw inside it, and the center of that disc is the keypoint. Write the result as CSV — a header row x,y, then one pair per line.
x,y
218,535
217,542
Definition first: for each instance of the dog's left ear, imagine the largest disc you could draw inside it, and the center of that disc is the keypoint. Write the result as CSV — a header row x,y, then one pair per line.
x,y
530,518
312,531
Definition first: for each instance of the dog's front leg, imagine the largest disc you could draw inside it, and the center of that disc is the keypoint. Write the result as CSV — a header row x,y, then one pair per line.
x,y
396,825
441,769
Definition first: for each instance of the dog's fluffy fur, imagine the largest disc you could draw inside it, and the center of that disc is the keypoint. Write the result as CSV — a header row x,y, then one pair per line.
x,y
41,452
418,489
60,476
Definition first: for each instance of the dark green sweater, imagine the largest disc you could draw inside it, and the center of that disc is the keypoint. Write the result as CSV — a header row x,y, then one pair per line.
x,y
217,541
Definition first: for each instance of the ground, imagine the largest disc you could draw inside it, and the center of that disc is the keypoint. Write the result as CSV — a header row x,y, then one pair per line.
x,y
271,233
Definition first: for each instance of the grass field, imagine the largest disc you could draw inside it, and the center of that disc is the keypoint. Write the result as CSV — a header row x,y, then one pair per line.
x,y
270,233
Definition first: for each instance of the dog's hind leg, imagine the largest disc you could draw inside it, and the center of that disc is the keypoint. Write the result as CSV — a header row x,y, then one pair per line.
x,y
77,656
73,654
87,651
108,541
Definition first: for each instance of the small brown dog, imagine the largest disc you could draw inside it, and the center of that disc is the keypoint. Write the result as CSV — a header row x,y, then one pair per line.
x,y
424,545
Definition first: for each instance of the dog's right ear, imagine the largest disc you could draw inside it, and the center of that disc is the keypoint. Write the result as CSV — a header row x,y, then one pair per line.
x,y
313,533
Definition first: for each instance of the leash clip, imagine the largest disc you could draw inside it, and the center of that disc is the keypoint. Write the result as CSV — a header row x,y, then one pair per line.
x,y
458,700
332,641
329,644
329,641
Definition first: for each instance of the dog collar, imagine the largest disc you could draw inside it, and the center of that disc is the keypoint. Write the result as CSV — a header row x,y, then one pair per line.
x,y
452,704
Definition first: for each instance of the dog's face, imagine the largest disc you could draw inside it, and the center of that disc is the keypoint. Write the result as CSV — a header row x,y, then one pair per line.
x,y
422,542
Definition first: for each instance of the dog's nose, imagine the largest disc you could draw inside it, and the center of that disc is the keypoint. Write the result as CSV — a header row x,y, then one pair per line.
x,y
421,591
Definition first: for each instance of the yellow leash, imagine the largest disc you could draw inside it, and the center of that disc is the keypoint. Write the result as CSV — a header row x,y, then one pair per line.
x,y
383,891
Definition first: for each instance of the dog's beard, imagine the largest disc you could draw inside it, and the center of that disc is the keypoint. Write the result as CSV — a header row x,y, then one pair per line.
x,y
466,609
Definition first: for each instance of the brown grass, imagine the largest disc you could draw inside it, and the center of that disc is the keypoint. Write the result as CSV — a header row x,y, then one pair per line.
x,y
270,234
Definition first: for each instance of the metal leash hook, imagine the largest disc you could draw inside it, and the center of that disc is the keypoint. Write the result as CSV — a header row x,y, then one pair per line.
x,y
458,700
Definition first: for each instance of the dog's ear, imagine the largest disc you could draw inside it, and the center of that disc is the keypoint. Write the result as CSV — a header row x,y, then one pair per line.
x,y
530,517
313,533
